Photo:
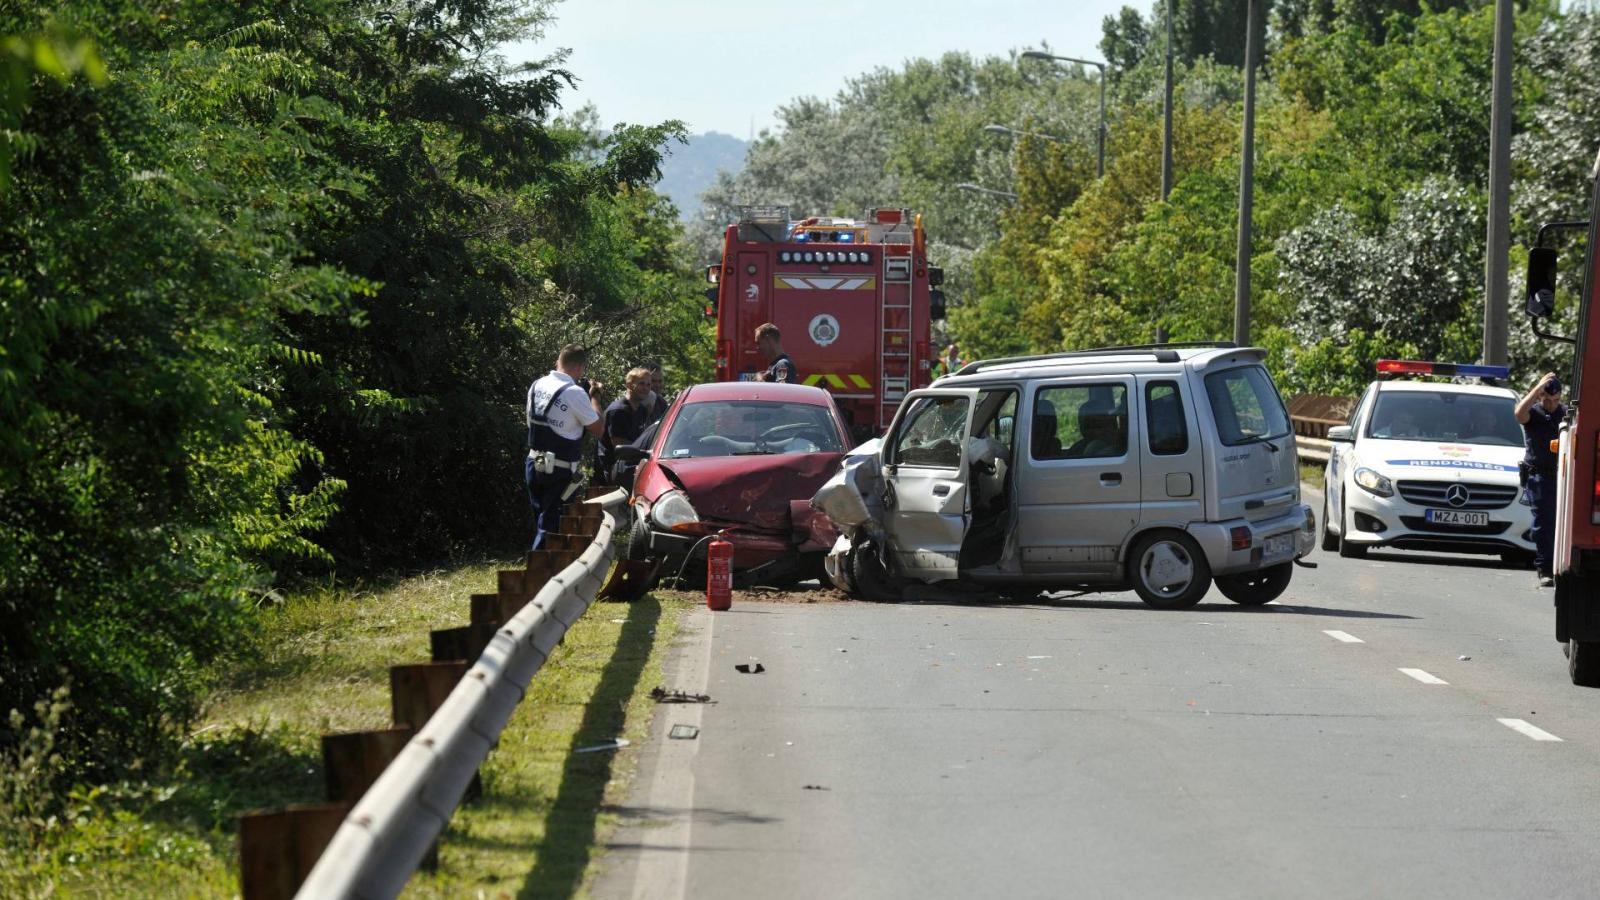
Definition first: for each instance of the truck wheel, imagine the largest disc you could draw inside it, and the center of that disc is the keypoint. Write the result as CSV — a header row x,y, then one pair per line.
x,y
1256,588
1347,548
1168,570
1330,541
871,581
1583,663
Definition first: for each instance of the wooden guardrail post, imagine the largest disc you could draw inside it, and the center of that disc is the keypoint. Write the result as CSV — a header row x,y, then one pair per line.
x,y
278,847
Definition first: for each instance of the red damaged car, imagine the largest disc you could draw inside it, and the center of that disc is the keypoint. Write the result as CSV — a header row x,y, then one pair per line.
x,y
740,458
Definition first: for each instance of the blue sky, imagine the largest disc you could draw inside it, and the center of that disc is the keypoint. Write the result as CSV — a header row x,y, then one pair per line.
x,y
720,65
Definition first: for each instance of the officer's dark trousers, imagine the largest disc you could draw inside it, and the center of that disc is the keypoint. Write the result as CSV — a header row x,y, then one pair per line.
x,y
1542,496
544,497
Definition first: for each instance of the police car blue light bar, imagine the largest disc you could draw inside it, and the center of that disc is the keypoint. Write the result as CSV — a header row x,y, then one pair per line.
x,y
1460,370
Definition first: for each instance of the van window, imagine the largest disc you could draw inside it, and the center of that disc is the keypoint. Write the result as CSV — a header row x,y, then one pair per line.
x,y
932,433
1080,421
1246,405
1164,419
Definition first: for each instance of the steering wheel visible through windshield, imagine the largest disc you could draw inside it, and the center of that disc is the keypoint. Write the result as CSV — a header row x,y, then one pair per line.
x,y
751,427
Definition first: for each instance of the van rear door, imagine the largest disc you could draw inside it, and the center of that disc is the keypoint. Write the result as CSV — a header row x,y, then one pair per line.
x,y
1256,473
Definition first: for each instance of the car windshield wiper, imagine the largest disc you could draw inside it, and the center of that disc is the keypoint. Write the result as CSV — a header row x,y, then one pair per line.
x,y
754,452
1262,439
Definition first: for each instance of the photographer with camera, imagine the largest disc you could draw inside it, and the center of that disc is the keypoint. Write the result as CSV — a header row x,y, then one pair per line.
x,y
1540,412
557,418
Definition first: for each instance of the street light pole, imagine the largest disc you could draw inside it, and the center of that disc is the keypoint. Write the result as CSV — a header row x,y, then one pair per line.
x,y
1166,106
1241,274
978,189
1498,245
1101,134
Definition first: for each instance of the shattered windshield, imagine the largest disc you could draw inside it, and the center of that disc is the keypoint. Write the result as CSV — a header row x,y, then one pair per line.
x,y
751,427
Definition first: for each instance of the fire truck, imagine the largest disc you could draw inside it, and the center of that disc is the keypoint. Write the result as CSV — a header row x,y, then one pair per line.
x,y
1577,542
855,301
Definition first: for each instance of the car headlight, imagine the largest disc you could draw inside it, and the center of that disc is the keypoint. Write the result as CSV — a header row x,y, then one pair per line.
x,y
1373,483
672,510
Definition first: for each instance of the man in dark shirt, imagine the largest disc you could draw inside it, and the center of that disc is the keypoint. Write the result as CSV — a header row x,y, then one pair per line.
x,y
658,390
624,419
1540,412
769,343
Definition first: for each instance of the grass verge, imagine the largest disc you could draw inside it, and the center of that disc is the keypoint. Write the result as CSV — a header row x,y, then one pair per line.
x,y
321,664
1314,475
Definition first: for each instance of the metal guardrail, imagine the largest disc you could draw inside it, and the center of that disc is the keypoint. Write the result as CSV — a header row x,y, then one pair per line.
x,y
1312,415
1312,450
387,834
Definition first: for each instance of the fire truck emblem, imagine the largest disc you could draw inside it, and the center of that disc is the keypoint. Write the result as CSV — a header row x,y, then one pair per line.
x,y
824,330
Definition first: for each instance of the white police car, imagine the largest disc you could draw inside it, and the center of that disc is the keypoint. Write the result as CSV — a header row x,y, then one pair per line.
x,y
1429,466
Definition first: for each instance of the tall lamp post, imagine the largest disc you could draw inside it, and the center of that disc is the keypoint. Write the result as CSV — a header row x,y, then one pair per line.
x,y
1166,112
1498,246
1101,134
1023,132
977,189
1241,274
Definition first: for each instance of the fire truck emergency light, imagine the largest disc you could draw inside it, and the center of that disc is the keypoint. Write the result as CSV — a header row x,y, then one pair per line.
x,y
1463,370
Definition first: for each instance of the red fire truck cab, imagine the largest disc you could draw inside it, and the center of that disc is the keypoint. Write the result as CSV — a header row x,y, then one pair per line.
x,y
1577,542
854,301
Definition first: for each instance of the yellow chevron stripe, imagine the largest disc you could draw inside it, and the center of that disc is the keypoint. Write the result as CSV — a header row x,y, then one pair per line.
x,y
835,381
813,380
861,382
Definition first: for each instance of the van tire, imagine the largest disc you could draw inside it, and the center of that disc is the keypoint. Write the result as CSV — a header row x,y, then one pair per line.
x,y
1583,663
1166,548
1330,541
1256,588
872,583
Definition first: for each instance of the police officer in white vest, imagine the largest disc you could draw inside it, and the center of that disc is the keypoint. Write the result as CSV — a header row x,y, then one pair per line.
x,y
561,406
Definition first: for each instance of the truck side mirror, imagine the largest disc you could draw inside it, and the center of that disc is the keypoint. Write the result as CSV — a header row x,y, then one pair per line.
x,y
714,273
935,275
1541,282
936,305
711,302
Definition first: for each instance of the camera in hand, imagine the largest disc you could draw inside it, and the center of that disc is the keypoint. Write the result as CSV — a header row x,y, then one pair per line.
x,y
583,383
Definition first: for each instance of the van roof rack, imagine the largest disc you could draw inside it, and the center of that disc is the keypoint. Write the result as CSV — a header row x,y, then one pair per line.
x,y
1162,353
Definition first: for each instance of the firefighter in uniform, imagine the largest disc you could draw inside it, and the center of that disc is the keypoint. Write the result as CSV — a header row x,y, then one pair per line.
x,y
1540,412
769,343
559,411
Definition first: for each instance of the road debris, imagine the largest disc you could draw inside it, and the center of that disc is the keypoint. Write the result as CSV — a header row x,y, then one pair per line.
x,y
1463,658
617,744
748,669
662,695
814,787
683,733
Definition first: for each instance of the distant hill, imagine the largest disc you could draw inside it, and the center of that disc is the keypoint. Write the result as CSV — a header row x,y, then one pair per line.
x,y
692,168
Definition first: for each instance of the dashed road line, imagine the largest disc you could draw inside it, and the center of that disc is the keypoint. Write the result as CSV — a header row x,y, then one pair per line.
x,y
1344,636
1533,731
1424,677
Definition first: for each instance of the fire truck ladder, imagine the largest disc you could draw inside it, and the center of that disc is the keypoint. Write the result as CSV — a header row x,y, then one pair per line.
x,y
894,357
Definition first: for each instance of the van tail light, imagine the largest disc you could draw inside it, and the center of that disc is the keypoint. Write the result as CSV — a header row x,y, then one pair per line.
x,y
1594,509
1240,537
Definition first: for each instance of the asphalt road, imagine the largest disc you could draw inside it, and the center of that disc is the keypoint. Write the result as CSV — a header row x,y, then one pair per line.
x,y
1332,744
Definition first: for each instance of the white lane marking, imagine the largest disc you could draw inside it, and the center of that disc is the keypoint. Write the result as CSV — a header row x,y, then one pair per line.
x,y
1533,731
1344,636
1424,677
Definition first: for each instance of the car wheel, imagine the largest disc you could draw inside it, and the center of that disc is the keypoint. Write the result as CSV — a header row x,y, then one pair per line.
x,y
639,539
871,581
1583,663
1168,570
1330,541
1348,548
1258,587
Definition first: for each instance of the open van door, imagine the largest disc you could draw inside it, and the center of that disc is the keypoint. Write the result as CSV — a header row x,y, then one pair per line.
x,y
926,503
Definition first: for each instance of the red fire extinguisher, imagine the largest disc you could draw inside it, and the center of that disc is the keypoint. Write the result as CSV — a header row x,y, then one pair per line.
x,y
719,574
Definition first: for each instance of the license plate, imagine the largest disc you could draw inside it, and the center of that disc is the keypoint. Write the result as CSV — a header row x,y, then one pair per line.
x,y
1457,517
1277,547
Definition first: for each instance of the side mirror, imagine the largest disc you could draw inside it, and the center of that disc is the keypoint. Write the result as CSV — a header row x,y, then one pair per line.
x,y
1341,434
935,275
936,305
1542,282
630,454
714,273
711,302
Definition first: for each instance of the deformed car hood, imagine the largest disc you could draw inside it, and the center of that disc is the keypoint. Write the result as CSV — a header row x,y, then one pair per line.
x,y
754,490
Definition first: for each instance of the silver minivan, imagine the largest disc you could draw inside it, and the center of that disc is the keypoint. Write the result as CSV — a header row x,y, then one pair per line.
x,y
1160,469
